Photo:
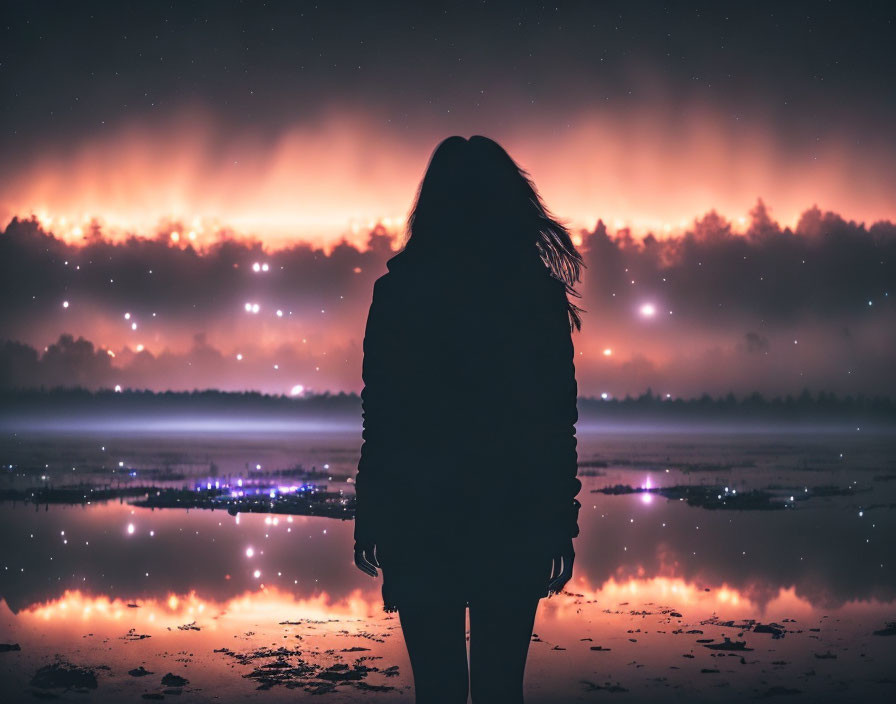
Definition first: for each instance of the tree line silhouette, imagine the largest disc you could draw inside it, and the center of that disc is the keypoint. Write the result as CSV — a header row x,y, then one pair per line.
x,y
805,407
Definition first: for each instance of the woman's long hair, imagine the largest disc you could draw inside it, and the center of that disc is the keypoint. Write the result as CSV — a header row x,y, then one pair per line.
x,y
475,202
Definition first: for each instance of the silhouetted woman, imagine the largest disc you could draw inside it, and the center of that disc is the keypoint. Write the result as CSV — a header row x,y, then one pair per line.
x,y
467,481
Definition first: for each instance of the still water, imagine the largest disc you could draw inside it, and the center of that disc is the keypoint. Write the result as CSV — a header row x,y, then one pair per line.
x,y
229,604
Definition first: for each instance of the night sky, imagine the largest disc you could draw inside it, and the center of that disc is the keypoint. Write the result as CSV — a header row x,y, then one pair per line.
x,y
220,135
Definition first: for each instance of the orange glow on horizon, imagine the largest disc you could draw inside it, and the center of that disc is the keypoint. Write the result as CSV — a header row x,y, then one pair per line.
x,y
344,174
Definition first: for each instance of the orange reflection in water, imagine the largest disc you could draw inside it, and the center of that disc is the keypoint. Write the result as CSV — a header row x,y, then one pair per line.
x,y
271,603
653,622
677,592
174,610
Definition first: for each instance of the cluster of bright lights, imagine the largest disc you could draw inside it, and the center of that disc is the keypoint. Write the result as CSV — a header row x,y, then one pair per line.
x,y
255,308
259,267
240,490
191,235
127,316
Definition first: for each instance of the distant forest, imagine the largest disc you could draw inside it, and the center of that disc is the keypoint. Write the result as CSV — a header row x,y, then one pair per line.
x,y
806,407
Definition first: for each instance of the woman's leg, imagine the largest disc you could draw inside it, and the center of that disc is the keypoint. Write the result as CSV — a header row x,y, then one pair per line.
x,y
500,632
436,639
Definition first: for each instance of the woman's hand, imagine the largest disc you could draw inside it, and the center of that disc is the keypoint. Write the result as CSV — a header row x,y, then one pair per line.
x,y
561,570
366,559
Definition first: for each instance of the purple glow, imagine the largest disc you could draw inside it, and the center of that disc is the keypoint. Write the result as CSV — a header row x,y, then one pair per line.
x,y
646,497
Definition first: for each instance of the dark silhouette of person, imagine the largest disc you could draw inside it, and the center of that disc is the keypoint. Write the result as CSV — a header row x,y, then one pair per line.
x,y
466,483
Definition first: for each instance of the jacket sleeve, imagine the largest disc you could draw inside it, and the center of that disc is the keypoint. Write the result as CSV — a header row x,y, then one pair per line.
x,y
376,411
564,485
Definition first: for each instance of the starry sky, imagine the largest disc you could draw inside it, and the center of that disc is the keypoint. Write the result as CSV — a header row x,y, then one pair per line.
x,y
728,170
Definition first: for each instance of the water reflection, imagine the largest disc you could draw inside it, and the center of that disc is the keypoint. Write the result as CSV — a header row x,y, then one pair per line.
x,y
646,637
825,551
180,610
648,569
271,603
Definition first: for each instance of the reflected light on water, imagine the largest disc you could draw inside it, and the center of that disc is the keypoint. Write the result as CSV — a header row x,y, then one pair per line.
x,y
675,593
654,578
647,498
276,604
176,609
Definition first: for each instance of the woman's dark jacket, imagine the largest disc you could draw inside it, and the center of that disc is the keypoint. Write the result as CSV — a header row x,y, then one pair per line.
x,y
469,410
